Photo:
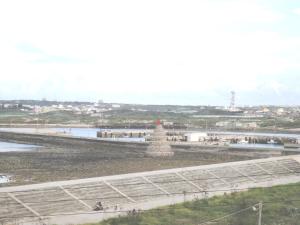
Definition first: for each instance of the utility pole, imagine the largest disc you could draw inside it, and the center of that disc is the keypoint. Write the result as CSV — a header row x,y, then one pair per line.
x,y
260,206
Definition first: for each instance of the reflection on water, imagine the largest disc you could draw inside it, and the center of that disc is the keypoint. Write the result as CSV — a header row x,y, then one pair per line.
x,y
13,147
279,135
92,133
257,146
75,132
79,132
124,139
4,179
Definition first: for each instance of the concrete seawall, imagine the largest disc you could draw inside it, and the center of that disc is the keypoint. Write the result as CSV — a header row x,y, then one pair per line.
x,y
90,143
69,142
83,143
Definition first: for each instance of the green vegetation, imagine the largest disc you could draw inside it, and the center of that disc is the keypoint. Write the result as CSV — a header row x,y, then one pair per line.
x,y
281,206
64,117
130,115
281,123
12,116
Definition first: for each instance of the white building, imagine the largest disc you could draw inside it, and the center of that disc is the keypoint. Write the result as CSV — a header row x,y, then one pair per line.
x,y
115,105
195,137
280,111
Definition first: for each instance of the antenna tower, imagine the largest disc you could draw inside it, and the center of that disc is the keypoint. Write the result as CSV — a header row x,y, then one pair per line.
x,y
232,101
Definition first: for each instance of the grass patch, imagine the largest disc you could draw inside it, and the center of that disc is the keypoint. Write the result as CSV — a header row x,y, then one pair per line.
x,y
281,206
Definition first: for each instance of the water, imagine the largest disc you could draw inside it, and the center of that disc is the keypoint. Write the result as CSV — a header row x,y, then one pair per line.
x,y
279,135
4,179
258,146
23,130
124,139
13,147
92,132
76,132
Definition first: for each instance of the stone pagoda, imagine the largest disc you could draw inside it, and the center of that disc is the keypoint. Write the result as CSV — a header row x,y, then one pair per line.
x,y
158,143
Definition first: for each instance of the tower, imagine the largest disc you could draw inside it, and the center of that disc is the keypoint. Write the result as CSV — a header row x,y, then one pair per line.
x,y
159,146
232,101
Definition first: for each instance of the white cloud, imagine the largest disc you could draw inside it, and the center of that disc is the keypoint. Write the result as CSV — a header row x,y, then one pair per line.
x,y
138,47
296,11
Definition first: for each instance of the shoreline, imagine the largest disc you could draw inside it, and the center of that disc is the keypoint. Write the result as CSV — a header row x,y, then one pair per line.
x,y
270,131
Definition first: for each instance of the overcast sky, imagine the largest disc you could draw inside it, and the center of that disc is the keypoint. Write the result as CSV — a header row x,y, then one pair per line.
x,y
158,51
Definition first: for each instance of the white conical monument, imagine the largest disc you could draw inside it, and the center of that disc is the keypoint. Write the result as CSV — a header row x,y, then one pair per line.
x,y
158,143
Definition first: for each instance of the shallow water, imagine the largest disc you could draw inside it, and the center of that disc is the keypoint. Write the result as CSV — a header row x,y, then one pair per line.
x,y
4,179
79,132
258,146
14,147
75,132
92,133
279,135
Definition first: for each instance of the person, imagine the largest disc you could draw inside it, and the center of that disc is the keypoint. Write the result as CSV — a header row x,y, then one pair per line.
x,y
98,206
134,212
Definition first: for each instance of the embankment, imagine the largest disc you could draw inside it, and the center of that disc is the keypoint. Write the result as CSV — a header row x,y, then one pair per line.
x,y
69,142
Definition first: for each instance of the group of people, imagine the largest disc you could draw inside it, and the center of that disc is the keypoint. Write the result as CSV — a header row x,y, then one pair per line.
x,y
99,207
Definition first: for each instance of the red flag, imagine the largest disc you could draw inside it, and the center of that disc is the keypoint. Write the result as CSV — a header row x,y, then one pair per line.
x,y
157,122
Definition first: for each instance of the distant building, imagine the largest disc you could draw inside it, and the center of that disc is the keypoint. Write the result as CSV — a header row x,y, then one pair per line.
x,y
266,110
280,111
195,137
248,125
234,124
223,123
167,123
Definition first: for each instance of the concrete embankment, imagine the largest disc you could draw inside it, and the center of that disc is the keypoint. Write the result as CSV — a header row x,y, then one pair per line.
x,y
93,143
86,144
81,143
69,142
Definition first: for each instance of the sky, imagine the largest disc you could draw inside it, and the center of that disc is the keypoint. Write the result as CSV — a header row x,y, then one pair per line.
x,y
186,52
